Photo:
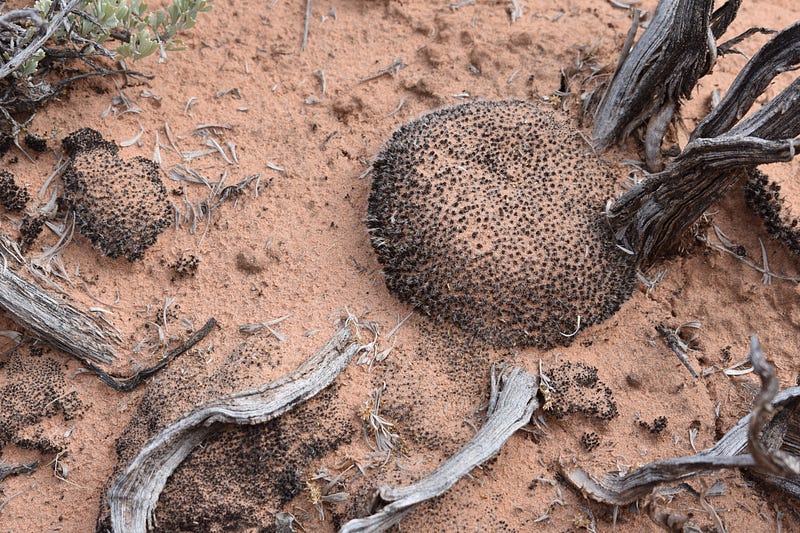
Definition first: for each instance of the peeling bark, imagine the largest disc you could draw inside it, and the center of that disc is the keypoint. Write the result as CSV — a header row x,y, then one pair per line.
x,y
676,49
652,217
55,321
780,54
75,332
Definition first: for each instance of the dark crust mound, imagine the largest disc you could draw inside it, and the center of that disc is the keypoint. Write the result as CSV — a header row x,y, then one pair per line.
x,y
12,196
490,215
764,198
121,206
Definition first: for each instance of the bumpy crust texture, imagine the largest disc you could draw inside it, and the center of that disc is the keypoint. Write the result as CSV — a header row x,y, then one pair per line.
x,y
490,215
121,206
764,198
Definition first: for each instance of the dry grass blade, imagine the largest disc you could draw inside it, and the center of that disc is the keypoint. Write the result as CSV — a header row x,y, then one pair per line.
x,y
389,70
252,329
384,436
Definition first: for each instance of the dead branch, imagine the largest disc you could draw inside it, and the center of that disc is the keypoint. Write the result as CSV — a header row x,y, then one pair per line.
x,y
652,217
75,332
769,437
133,496
128,383
17,468
54,321
512,402
780,54
768,457
45,32
673,53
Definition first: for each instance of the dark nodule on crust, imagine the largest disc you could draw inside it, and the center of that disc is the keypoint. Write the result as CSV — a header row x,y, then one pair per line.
x,y
764,197
121,206
490,215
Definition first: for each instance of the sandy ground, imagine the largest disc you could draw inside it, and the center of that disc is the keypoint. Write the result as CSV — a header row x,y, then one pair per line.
x,y
309,121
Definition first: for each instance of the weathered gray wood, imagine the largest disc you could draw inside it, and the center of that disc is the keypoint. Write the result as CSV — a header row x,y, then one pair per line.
x,y
769,457
512,403
780,54
676,49
767,461
650,218
15,469
75,332
54,321
134,494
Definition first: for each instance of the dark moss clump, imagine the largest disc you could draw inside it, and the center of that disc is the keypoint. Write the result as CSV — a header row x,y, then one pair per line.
x,y
12,196
121,206
35,142
6,142
764,198
29,231
590,441
659,424
574,388
185,265
490,215
32,390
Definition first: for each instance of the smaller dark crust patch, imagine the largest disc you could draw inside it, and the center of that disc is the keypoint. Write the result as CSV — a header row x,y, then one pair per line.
x,y
121,206
764,198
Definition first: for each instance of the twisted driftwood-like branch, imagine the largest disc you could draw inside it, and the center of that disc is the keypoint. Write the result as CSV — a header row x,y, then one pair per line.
x,y
780,54
55,321
133,496
513,401
650,219
769,438
75,332
676,49
17,468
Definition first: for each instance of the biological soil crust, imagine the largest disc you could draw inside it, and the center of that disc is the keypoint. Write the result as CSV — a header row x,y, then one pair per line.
x,y
309,121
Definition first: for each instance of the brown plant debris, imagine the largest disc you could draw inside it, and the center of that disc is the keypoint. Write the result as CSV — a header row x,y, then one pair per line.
x,y
121,206
490,215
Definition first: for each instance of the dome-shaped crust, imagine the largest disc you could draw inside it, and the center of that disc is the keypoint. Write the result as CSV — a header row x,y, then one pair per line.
x,y
121,206
490,214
